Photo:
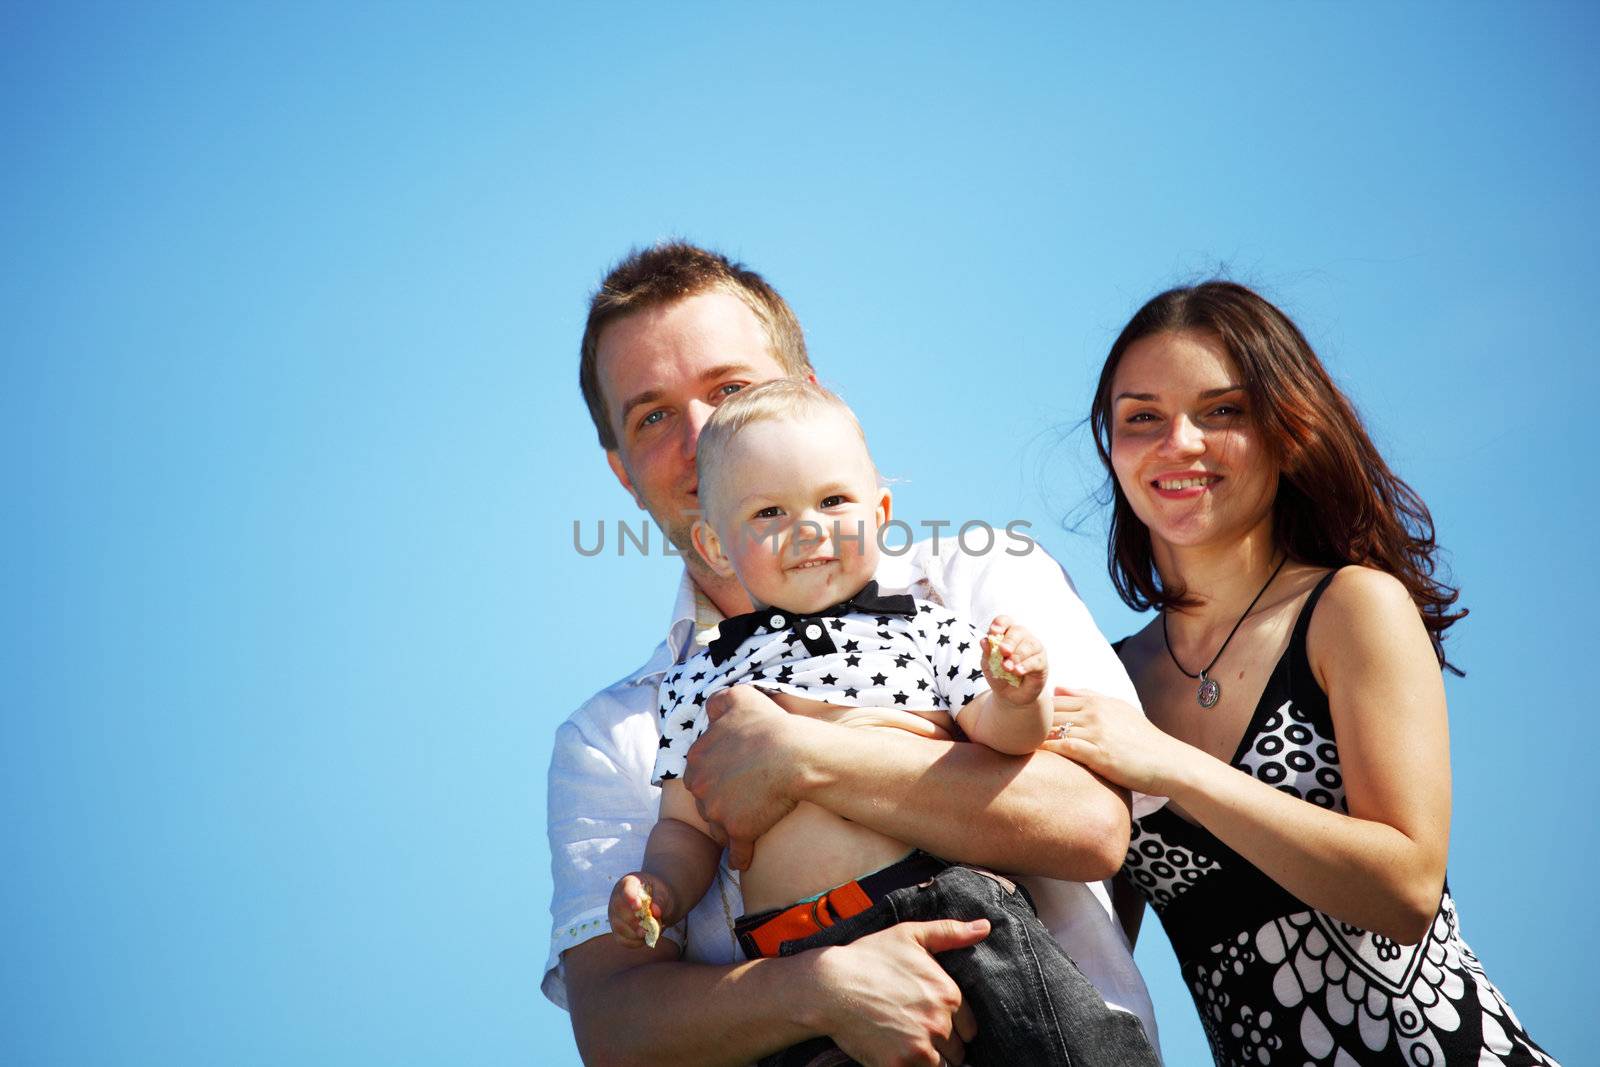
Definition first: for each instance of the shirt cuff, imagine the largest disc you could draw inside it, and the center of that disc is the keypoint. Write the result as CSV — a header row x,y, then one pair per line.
x,y
585,926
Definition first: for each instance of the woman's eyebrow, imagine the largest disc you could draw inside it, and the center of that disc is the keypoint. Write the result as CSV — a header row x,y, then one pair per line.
x,y
1133,396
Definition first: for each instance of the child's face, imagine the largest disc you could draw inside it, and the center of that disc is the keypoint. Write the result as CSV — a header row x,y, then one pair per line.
x,y
797,512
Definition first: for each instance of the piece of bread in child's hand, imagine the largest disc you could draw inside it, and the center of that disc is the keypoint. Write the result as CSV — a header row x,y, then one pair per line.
x,y
997,662
648,922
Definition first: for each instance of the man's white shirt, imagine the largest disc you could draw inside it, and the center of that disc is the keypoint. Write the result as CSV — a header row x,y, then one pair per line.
x,y
602,805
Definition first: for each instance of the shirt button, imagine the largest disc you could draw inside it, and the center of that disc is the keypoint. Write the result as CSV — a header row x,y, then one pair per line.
x,y
813,631
775,622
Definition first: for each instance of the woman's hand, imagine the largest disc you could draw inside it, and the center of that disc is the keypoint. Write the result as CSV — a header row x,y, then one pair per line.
x,y
1114,740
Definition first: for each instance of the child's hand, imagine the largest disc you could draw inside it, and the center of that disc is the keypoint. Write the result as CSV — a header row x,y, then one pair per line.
x,y
639,904
1014,662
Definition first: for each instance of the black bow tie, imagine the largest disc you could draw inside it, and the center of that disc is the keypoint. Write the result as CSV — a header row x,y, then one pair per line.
x,y
731,633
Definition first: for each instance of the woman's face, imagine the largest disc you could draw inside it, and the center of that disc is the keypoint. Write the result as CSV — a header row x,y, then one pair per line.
x,y
1184,445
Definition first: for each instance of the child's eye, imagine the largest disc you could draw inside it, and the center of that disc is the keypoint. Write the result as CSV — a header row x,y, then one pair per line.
x,y
834,501
769,512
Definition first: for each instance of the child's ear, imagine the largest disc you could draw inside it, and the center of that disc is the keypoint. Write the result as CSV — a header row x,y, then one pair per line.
x,y
885,499
709,545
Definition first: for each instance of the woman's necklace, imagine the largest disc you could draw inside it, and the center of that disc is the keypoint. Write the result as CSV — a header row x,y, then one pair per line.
x,y
1210,690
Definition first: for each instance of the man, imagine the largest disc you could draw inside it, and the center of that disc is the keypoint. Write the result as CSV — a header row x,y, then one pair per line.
x,y
672,331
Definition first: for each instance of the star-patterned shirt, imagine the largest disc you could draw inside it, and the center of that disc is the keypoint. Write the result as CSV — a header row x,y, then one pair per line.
x,y
869,651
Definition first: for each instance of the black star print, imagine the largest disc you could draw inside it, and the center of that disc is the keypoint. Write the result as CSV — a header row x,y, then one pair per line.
x,y
886,635
975,675
793,638
686,724
900,698
878,679
667,775
758,674
944,639
664,743
953,672
697,676
946,622
851,693
922,633
852,646
852,661
828,679
902,660
699,698
837,624
924,609
672,695
883,620
963,646
785,674
922,683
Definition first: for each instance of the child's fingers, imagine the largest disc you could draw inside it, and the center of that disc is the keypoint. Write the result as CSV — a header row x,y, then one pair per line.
x,y
1001,624
1034,664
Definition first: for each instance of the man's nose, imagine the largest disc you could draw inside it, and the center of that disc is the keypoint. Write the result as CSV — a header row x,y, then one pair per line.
x,y
694,420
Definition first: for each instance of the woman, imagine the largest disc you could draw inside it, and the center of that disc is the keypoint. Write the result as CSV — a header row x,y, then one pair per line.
x,y
1300,640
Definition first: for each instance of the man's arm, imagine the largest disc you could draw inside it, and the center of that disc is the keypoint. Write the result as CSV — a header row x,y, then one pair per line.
x,y
1036,814
883,999
877,998
1028,815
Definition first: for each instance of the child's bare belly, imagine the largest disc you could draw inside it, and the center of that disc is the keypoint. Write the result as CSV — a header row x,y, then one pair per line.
x,y
811,849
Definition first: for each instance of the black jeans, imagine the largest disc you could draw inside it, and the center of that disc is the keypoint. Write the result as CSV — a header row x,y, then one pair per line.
x,y
1032,1004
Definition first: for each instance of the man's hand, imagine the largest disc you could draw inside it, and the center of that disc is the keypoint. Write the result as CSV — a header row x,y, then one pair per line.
x,y
891,1002
743,769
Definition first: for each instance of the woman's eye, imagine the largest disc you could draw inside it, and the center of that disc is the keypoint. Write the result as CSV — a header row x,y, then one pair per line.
x,y
1140,416
1226,411
833,501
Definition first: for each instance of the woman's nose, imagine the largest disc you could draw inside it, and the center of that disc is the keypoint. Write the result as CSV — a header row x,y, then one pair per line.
x,y
1183,437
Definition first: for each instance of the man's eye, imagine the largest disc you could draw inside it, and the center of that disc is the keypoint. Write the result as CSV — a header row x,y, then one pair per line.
x,y
652,418
833,501
729,389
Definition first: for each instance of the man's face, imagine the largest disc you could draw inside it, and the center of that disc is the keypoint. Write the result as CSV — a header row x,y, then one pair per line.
x,y
663,370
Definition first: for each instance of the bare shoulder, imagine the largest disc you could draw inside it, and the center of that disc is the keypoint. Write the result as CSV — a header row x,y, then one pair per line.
x,y
1365,621
1140,647
1360,600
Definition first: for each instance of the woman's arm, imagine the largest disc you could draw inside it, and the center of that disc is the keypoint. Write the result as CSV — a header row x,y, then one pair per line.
x,y
1381,867
1035,814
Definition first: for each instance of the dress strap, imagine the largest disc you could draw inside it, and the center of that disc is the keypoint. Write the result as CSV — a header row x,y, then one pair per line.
x,y
1303,624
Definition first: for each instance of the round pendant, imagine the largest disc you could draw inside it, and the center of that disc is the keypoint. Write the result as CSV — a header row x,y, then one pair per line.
x,y
1209,693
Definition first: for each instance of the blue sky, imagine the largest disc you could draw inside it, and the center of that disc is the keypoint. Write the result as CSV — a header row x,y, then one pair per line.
x,y
294,447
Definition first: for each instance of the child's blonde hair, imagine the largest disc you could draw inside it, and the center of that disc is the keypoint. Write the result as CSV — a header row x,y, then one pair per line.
x,y
777,399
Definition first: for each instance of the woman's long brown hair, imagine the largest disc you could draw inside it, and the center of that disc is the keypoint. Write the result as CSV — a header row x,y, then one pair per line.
x,y
1338,502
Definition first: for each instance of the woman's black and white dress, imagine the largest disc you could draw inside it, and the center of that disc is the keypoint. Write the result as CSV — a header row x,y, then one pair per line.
x,y
1278,982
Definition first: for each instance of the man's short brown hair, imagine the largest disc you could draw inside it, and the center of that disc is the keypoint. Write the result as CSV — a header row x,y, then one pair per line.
x,y
677,270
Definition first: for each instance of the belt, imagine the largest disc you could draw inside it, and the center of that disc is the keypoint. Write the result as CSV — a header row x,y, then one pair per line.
x,y
764,933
